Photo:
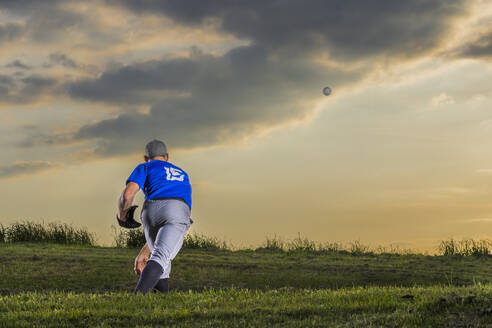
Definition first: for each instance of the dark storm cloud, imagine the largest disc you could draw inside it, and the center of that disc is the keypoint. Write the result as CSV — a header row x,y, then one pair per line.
x,y
6,84
53,23
6,81
20,7
25,89
62,59
23,167
478,48
349,29
34,86
225,97
41,20
203,99
18,64
37,138
10,31
133,83
49,21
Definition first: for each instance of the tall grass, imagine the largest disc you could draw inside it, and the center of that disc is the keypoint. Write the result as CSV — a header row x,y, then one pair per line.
x,y
299,244
274,243
356,248
135,238
129,238
197,241
62,233
59,233
3,237
465,247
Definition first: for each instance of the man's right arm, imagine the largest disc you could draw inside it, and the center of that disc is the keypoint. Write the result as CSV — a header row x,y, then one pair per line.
x,y
126,199
141,259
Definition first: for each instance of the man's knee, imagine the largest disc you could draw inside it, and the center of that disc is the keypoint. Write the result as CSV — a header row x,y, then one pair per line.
x,y
160,257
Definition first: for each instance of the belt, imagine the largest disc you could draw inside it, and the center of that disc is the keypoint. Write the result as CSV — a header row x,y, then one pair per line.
x,y
178,198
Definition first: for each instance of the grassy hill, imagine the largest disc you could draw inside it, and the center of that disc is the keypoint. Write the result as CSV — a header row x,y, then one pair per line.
x,y
45,266
353,307
74,285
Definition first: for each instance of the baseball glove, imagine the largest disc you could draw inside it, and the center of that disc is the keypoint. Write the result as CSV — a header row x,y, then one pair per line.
x,y
130,223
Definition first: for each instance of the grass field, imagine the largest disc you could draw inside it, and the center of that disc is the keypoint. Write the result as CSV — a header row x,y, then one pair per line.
x,y
48,284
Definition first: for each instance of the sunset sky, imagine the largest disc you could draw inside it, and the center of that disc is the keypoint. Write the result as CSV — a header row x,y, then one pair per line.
x,y
400,153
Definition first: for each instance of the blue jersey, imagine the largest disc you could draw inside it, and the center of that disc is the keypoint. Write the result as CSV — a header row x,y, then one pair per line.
x,y
159,178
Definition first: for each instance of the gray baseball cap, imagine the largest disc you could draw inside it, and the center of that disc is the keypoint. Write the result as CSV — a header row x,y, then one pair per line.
x,y
155,148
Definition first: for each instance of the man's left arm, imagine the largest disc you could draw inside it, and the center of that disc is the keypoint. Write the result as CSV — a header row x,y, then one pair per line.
x,y
126,199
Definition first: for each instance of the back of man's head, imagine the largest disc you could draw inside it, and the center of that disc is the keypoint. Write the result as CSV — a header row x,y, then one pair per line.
x,y
155,148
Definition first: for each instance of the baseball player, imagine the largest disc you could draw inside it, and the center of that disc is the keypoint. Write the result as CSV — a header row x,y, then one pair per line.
x,y
165,215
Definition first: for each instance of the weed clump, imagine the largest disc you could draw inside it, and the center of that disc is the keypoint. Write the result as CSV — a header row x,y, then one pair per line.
x,y
298,245
2,234
272,244
357,249
58,233
129,238
465,247
197,241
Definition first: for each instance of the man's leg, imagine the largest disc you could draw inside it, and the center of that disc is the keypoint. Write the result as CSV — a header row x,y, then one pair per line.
x,y
149,277
145,282
162,285
167,244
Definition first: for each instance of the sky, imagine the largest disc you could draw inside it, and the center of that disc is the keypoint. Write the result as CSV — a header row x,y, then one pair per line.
x,y
399,154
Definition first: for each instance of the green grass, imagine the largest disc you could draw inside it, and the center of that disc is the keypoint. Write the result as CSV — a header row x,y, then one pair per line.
x,y
57,285
44,266
282,283
353,307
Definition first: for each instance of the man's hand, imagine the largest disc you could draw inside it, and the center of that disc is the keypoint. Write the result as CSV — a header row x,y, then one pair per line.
x,y
129,221
141,259
125,208
140,262
122,218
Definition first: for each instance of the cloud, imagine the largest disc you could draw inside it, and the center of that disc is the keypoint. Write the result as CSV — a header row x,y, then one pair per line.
x,y
46,22
6,81
40,21
25,89
442,99
141,82
23,167
203,99
10,31
18,64
349,30
6,84
45,139
480,47
24,7
62,59
486,220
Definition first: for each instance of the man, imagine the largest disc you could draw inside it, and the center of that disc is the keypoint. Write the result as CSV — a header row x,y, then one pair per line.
x,y
165,214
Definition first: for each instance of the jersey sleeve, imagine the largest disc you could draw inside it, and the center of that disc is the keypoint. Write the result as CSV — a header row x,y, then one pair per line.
x,y
139,175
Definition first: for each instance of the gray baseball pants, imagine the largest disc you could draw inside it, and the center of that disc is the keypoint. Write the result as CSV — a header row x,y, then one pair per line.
x,y
165,223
